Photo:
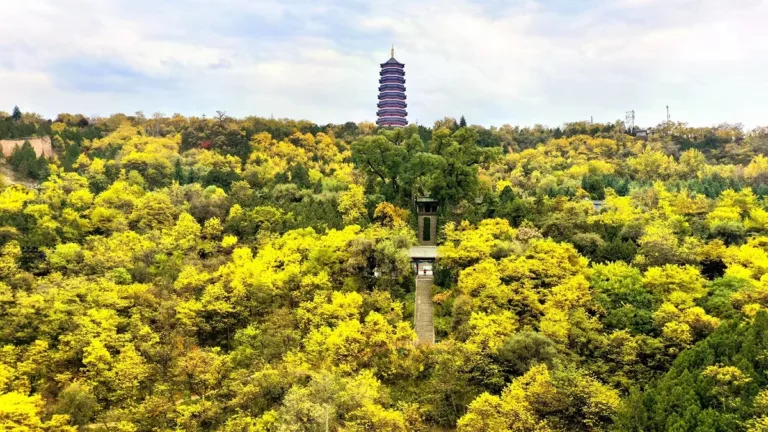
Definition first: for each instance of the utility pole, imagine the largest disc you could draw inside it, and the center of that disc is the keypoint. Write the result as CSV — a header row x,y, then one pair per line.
x,y
630,121
668,117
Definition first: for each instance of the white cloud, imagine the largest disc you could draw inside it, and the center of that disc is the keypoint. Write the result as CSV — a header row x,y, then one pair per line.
x,y
521,62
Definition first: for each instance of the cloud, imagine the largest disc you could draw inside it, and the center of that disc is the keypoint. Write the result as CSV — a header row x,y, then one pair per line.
x,y
520,61
96,76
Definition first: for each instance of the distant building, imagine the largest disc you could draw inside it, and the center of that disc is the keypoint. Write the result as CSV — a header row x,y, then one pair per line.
x,y
424,255
426,209
596,204
392,94
423,259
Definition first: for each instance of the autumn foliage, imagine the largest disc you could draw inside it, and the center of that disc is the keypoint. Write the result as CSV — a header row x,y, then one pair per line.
x,y
175,273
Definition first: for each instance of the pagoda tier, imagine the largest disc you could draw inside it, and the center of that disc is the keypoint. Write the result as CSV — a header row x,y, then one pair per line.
x,y
392,72
386,112
392,121
392,87
389,79
392,94
392,103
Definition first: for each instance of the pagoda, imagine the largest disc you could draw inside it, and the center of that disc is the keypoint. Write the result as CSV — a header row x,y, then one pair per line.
x,y
392,94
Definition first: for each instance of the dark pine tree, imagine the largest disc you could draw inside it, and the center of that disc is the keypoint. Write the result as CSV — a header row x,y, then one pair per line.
x,y
178,172
42,168
685,399
71,153
462,122
26,162
16,113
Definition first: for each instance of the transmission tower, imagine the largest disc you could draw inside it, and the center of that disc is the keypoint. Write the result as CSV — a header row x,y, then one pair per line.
x,y
668,117
631,121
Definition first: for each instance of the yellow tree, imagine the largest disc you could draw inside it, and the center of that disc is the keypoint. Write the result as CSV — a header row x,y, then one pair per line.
x,y
352,204
24,414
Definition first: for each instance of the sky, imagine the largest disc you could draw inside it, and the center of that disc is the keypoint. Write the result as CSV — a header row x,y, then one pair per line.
x,y
496,62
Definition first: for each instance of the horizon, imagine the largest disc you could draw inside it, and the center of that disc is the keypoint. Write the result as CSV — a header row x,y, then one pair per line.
x,y
638,126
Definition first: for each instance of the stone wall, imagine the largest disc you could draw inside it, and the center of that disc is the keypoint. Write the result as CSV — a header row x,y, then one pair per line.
x,y
41,145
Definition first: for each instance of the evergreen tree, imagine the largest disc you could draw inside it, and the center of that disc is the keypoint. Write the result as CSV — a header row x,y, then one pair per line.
x,y
710,386
178,172
24,160
71,153
16,113
42,169
462,122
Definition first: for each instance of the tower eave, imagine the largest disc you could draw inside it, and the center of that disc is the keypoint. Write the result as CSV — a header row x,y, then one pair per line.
x,y
392,62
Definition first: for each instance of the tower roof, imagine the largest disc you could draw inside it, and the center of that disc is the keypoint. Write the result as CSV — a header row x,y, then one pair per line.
x,y
392,61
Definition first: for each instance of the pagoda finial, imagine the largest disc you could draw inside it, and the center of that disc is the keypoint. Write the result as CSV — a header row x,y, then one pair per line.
x,y
393,51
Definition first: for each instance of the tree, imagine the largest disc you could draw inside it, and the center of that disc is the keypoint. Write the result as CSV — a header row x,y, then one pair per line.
x,y
78,402
16,116
544,400
382,161
22,158
153,211
709,385
71,156
329,402
352,204
524,350
626,303
650,165
23,413
390,216
222,274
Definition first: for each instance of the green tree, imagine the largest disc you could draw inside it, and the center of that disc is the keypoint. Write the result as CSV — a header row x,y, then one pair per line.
x,y
544,400
709,385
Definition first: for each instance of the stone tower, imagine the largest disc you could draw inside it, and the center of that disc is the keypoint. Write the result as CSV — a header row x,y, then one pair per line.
x,y
426,209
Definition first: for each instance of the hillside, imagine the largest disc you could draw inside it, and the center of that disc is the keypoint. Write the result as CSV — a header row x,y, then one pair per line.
x,y
10,177
181,273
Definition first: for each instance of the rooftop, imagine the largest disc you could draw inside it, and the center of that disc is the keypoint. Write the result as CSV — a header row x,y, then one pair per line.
x,y
392,62
423,252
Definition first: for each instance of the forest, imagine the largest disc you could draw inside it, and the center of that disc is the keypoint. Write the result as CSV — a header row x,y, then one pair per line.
x,y
172,273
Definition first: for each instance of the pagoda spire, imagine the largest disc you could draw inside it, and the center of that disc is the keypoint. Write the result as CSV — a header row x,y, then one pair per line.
x,y
392,54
